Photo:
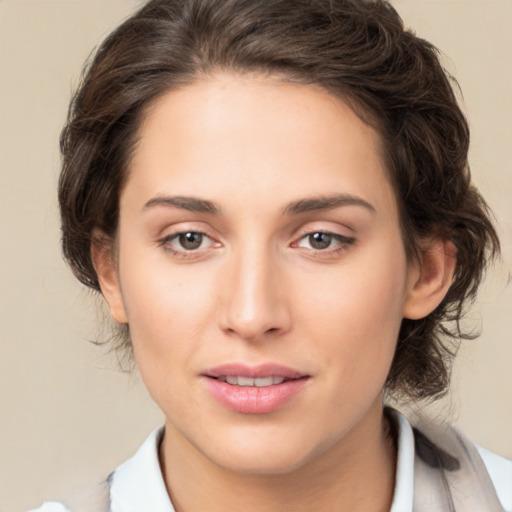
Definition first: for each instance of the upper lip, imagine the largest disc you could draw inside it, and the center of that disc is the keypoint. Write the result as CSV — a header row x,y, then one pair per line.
x,y
258,371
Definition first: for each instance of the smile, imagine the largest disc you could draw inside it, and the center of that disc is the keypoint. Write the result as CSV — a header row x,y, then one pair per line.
x,y
254,389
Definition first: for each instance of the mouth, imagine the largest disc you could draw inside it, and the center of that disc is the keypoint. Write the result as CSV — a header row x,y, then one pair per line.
x,y
254,389
263,375
259,382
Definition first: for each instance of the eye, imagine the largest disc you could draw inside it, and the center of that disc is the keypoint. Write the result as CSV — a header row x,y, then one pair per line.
x,y
190,241
187,241
319,241
322,241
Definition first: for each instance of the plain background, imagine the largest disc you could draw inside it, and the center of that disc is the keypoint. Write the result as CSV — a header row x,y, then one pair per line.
x,y
67,413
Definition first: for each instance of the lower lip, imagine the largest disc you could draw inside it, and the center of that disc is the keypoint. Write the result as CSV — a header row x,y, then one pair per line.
x,y
252,399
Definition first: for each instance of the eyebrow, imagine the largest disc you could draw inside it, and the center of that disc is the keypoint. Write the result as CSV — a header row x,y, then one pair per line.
x,y
323,203
305,205
192,204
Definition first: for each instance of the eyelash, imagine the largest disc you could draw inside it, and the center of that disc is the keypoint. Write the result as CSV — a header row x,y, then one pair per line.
x,y
343,242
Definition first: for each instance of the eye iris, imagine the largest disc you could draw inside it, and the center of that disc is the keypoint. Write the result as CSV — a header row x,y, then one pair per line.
x,y
191,241
320,240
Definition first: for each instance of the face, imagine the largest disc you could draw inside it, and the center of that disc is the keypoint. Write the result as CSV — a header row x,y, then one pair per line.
x,y
261,270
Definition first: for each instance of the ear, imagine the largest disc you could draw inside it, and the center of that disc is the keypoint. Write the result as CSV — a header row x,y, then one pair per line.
x,y
429,278
104,261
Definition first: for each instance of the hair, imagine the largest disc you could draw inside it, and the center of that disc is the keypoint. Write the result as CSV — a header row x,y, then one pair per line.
x,y
356,50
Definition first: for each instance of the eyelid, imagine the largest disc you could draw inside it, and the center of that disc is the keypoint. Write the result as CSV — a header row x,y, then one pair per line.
x,y
329,227
337,236
185,226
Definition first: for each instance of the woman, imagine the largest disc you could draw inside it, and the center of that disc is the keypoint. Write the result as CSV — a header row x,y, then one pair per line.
x,y
273,197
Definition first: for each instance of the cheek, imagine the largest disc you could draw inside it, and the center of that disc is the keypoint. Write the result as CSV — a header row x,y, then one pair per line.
x,y
355,316
167,307
365,295
167,320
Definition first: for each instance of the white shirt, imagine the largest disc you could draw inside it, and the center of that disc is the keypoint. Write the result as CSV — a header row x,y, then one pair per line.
x,y
138,484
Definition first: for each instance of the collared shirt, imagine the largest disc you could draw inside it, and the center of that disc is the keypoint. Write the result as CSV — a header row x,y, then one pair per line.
x,y
138,484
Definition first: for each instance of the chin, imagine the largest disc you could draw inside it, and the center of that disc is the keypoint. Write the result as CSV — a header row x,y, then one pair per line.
x,y
250,454
274,464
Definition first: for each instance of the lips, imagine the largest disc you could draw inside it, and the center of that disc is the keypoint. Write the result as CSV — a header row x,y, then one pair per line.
x,y
254,389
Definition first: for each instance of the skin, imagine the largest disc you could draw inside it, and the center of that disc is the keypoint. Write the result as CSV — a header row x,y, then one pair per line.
x,y
257,291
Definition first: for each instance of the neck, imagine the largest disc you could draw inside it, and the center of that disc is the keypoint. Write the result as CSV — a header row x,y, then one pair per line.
x,y
357,474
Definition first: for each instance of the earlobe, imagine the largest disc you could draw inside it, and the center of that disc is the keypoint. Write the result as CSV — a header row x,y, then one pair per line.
x,y
429,279
102,255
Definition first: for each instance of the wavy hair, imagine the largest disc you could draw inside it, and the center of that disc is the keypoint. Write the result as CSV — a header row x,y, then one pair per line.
x,y
358,51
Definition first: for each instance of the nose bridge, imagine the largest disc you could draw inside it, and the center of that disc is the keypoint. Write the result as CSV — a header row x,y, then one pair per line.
x,y
254,304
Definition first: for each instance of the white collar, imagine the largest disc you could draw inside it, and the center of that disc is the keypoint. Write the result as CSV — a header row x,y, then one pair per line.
x,y
404,478
138,484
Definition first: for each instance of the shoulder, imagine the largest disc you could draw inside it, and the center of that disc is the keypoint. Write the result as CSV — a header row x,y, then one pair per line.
x,y
137,484
91,498
440,461
500,471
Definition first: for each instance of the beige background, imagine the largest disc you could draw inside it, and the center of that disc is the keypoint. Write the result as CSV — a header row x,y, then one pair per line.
x,y
67,414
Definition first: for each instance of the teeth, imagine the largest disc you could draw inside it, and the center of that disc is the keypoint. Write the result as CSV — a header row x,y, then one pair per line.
x,y
259,382
247,381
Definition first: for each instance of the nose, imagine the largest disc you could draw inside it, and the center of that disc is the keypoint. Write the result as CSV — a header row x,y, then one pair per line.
x,y
254,303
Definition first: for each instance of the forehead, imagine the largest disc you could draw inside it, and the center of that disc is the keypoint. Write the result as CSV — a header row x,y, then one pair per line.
x,y
254,135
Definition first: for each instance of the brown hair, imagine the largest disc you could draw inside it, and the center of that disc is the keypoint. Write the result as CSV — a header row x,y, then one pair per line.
x,y
357,50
